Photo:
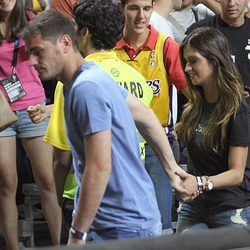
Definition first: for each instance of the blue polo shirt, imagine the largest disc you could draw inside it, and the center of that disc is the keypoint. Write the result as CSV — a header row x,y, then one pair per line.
x,y
94,103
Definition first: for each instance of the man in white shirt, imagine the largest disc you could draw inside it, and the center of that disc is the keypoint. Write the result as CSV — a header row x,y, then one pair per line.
x,y
161,11
191,11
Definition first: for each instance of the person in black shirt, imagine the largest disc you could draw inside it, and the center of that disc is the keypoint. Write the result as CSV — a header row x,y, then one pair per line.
x,y
215,126
236,27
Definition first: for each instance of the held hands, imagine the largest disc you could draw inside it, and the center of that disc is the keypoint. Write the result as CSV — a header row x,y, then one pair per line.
x,y
186,190
37,113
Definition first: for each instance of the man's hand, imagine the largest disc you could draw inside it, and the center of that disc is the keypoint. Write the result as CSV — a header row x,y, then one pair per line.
x,y
189,183
213,5
74,241
37,113
186,190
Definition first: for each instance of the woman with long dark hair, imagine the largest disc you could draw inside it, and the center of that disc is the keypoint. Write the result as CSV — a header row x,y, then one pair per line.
x,y
215,127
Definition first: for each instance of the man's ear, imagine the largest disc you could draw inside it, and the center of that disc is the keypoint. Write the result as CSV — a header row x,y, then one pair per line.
x,y
83,33
66,42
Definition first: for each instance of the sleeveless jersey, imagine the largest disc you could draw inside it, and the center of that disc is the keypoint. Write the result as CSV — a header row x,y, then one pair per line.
x,y
150,63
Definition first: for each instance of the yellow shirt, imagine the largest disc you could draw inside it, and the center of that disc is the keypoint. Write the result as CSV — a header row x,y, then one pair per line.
x,y
37,6
124,75
150,63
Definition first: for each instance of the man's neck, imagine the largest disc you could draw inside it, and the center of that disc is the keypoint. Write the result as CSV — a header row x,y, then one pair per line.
x,y
234,22
93,51
188,7
163,8
73,64
136,40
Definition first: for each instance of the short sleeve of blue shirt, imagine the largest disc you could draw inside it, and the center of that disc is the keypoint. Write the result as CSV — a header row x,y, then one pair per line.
x,y
92,108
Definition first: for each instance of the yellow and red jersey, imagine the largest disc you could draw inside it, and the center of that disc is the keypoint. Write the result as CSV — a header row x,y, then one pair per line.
x,y
158,61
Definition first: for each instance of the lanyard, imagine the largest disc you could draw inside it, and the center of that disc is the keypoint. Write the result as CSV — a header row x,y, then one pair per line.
x,y
15,52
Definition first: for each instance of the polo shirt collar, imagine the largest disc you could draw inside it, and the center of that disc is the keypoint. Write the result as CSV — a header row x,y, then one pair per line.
x,y
99,56
150,42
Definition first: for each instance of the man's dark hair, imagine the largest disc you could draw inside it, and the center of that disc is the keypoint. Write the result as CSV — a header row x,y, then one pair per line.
x,y
103,19
50,24
124,2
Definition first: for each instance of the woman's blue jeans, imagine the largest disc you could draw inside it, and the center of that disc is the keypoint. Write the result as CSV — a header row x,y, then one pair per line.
x,y
192,218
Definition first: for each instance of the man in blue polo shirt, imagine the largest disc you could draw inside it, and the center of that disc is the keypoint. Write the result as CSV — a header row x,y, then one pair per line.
x,y
115,198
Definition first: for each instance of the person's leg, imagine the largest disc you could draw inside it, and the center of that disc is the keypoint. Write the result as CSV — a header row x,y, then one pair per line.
x,y
231,218
190,219
40,155
163,189
8,186
62,162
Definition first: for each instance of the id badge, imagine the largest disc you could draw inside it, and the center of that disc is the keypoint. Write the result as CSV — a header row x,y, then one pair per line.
x,y
13,87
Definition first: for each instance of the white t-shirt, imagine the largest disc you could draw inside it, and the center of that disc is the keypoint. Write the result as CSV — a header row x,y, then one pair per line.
x,y
161,24
165,27
182,19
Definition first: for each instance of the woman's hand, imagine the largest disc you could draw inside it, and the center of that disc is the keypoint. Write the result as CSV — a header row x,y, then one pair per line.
x,y
189,184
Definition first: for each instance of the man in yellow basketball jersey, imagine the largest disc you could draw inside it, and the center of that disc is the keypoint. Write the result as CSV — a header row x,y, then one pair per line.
x,y
156,57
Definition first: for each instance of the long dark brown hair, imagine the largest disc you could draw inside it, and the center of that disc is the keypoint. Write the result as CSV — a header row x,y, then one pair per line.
x,y
17,20
212,45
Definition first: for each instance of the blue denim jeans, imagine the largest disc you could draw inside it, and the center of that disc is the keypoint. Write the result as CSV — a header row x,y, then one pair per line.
x,y
163,189
193,218
122,233
24,127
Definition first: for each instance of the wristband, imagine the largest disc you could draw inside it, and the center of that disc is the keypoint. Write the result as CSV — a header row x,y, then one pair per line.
x,y
77,234
199,183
